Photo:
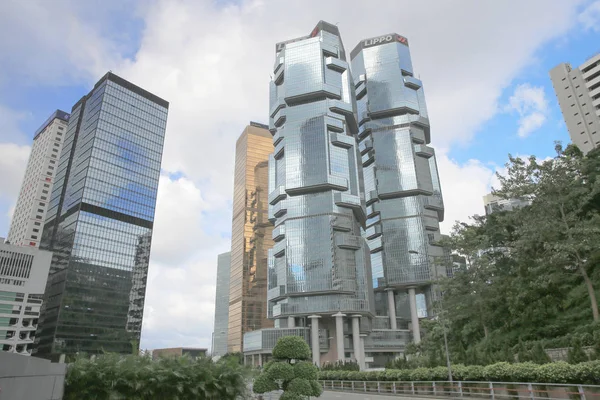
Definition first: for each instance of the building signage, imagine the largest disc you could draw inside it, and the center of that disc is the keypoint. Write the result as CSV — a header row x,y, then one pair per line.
x,y
385,39
281,45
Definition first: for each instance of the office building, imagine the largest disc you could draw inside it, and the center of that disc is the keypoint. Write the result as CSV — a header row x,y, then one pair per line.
x,y
319,269
219,345
402,188
175,352
494,203
578,93
250,235
23,275
100,220
32,204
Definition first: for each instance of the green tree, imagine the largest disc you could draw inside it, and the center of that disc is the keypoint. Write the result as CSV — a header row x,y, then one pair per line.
x,y
563,218
539,355
576,354
290,371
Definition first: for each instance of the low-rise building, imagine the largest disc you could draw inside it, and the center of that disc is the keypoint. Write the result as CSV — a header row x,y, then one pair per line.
x,y
192,352
23,275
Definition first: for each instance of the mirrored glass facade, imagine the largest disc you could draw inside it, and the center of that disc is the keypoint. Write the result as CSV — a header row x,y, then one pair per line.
x,y
319,263
251,235
402,187
219,347
100,219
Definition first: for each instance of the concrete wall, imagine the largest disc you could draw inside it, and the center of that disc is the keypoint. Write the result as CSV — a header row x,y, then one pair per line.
x,y
30,378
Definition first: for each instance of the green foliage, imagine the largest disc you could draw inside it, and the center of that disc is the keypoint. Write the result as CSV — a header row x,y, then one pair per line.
x,y
558,372
233,357
112,376
300,386
576,354
281,370
297,378
291,348
341,366
539,355
306,370
263,384
530,274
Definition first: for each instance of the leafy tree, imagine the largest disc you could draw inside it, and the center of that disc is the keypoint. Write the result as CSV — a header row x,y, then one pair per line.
x,y
539,355
290,371
576,354
563,219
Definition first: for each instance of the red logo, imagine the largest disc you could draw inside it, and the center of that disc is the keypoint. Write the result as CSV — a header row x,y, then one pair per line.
x,y
314,32
402,40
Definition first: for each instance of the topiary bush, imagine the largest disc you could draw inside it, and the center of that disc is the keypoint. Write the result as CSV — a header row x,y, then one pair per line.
x,y
290,371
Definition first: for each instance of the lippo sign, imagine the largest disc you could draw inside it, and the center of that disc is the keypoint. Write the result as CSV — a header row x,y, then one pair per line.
x,y
385,39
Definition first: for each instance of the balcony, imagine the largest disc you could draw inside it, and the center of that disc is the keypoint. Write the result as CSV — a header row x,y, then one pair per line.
x,y
279,249
348,242
277,194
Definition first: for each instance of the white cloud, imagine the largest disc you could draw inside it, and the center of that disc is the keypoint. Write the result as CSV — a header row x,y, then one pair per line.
x,y
532,106
213,65
589,18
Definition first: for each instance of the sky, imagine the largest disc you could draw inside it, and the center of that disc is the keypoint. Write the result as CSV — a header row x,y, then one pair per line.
x,y
484,67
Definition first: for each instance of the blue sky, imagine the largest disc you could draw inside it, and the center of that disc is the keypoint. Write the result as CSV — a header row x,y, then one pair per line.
x,y
484,66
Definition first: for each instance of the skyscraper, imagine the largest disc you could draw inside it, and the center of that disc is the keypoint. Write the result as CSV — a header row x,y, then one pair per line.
x,y
319,269
219,346
578,93
32,204
100,220
250,236
402,187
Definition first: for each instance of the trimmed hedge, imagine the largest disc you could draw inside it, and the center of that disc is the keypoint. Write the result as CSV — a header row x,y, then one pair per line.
x,y
558,372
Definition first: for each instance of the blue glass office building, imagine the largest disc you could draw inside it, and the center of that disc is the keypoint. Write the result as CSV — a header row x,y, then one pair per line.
x,y
100,219
402,187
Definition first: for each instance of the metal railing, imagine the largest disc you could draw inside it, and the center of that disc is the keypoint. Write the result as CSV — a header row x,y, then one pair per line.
x,y
485,390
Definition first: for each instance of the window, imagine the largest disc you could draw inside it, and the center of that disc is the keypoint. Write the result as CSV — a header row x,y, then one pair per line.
x,y
53,155
579,123
586,142
56,144
60,128
45,191
569,96
55,150
36,223
46,185
49,173
52,161
40,210
50,167
32,243
576,114
38,217
573,105
41,204
58,139
587,113
60,134
36,230
44,198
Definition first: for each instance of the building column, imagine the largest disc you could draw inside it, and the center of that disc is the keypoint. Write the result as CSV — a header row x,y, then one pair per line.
x,y
291,322
260,360
362,351
414,317
392,309
314,340
339,335
253,360
358,354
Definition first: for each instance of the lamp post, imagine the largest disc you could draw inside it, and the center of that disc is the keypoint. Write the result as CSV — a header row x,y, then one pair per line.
x,y
443,321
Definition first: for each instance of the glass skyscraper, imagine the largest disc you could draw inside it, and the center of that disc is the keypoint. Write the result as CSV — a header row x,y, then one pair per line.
x,y
319,265
402,187
100,219
219,345
251,236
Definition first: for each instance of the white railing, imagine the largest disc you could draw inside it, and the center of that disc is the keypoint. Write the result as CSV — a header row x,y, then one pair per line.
x,y
485,390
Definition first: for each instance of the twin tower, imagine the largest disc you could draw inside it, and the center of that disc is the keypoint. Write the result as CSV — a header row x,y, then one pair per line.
x,y
354,197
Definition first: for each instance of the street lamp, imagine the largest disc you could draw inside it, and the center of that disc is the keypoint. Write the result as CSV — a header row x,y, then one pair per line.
x,y
448,364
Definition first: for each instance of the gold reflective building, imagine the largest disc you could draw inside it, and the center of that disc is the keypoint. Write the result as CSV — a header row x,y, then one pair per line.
x,y
250,235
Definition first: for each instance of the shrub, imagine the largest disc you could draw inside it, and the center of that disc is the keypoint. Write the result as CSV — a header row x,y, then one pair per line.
x,y
576,354
539,355
559,372
341,366
291,348
113,376
287,371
